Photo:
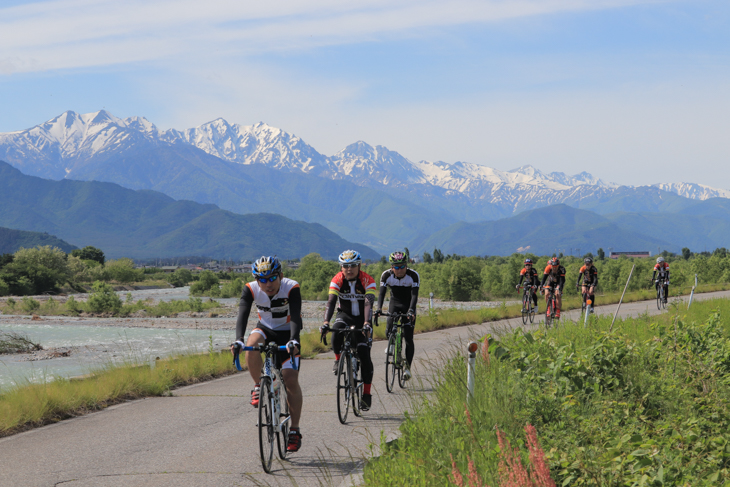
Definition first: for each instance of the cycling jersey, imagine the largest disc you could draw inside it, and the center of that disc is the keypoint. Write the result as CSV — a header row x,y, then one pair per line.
x,y
662,269
590,276
351,295
530,276
554,279
403,291
281,312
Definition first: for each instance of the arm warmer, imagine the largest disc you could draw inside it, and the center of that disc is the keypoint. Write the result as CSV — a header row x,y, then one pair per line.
x,y
295,311
330,310
244,308
381,295
369,300
414,298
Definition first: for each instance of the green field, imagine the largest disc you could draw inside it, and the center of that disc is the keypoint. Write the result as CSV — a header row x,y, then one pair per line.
x,y
645,404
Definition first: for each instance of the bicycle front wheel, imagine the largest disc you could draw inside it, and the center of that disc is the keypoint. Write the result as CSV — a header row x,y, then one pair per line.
x,y
344,377
390,370
266,425
532,309
549,314
282,434
525,308
400,360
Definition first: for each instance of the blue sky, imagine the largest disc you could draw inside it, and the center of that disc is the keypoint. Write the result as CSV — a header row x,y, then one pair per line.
x,y
635,92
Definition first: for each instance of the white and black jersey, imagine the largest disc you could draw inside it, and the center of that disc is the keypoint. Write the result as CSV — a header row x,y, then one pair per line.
x,y
281,312
403,291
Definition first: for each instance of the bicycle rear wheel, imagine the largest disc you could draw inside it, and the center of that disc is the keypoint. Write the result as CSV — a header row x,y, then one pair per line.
x,y
525,308
282,436
549,314
664,297
355,387
659,297
266,425
390,363
401,362
344,376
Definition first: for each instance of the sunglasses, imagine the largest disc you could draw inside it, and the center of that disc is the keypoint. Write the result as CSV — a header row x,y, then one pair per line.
x,y
399,267
349,266
264,280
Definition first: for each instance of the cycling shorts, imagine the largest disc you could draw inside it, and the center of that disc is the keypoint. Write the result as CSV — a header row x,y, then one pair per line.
x,y
280,338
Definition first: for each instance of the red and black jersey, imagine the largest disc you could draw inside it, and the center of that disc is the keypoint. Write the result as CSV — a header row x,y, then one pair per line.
x,y
352,293
590,276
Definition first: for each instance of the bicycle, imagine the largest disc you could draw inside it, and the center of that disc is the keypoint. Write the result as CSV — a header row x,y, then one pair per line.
x,y
528,311
395,362
349,385
584,304
661,299
273,403
552,303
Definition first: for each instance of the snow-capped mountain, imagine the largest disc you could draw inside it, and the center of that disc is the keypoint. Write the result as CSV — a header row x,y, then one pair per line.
x,y
251,144
64,144
694,191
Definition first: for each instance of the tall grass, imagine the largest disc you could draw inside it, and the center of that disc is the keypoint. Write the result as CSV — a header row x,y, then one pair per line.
x,y
648,404
32,405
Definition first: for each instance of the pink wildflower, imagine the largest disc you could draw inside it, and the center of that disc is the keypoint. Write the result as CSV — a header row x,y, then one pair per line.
x,y
540,470
455,474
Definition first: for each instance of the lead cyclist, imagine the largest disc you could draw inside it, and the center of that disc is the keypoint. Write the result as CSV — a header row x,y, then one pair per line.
x,y
278,301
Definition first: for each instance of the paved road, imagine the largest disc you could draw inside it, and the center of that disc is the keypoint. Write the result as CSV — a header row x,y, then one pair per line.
x,y
205,434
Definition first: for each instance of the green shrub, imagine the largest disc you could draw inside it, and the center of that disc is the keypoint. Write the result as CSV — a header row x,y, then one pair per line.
x,y
207,284
122,270
180,278
73,306
232,289
4,288
30,305
103,299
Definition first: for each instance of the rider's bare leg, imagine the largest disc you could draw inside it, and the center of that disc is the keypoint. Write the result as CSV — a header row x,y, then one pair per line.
x,y
253,359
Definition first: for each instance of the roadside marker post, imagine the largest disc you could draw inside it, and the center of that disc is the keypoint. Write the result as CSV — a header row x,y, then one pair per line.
x,y
622,298
430,300
472,349
692,293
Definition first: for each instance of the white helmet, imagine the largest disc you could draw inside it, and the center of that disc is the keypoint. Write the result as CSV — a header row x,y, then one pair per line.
x,y
660,260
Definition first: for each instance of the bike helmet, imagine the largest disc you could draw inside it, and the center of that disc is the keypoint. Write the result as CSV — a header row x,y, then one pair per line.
x,y
266,266
398,258
588,260
528,261
350,257
555,261
660,260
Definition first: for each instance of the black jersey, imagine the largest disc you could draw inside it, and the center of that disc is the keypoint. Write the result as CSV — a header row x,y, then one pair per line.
x,y
403,291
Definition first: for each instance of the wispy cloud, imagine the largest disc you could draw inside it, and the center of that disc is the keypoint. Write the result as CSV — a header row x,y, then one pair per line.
x,y
82,33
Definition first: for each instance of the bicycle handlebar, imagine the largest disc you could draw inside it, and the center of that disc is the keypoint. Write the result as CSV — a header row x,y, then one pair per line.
x,y
239,346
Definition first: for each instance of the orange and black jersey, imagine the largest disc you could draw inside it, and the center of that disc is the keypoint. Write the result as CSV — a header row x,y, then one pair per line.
x,y
554,275
662,269
529,276
590,276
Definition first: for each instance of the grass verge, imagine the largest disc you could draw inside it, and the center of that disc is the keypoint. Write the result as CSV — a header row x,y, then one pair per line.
x,y
647,404
34,405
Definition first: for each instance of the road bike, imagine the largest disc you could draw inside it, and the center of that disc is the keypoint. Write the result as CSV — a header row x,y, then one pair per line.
x,y
585,305
552,306
349,383
274,418
661,299
528,311
395,362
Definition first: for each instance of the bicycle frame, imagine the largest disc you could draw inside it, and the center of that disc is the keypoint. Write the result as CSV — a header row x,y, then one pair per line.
x,y
394,360
347,372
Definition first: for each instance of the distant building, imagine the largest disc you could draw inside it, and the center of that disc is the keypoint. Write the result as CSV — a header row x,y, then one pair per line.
x,y
241,268
169,268
616,255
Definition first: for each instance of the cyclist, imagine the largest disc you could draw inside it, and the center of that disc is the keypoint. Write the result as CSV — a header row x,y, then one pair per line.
x,y
554,276
356,293
530,275
662,269
403,283
278,301
589,273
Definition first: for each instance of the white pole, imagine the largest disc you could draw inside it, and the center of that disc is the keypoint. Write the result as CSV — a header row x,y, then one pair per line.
x,y
693,292
472,349
430,300
622,298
